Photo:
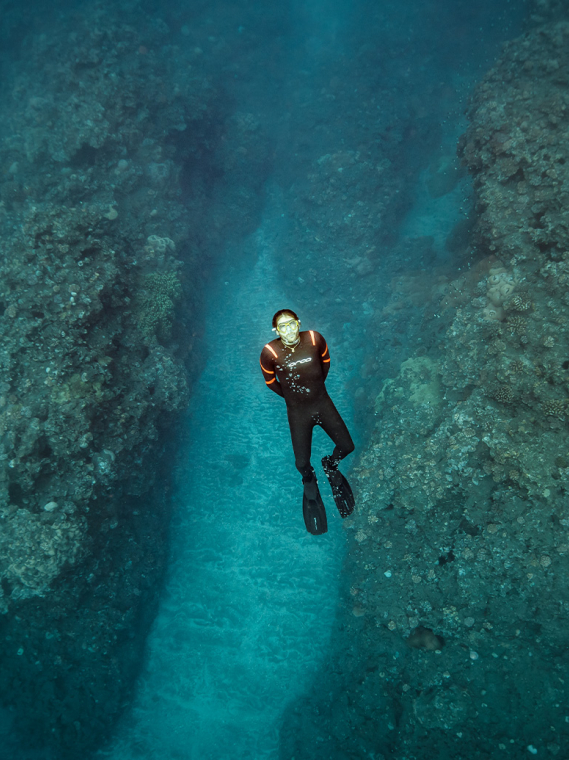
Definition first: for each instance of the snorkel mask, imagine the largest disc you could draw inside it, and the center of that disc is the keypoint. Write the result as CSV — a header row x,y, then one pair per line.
x,y
288,330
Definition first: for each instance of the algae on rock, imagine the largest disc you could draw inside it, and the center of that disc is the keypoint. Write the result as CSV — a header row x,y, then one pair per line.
x,y
156,302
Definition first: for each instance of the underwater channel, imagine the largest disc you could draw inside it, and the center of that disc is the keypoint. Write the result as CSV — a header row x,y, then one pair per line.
x,y
387,178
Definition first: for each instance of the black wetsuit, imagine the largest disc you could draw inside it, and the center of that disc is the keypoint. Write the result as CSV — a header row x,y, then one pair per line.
x,y
298,375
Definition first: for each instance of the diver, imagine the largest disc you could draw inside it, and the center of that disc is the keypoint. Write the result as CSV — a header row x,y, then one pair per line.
x,y
295,366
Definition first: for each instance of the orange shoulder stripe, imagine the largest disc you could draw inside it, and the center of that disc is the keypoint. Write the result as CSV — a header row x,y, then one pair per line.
x,y
268,371
272,350
325,350
325,361
268,382
312,336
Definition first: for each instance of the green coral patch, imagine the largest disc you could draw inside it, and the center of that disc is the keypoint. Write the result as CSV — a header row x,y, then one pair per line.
x,y
156,303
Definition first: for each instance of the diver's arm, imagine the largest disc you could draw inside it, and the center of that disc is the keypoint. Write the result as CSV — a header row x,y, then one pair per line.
x,y
324,355
268,369
275,386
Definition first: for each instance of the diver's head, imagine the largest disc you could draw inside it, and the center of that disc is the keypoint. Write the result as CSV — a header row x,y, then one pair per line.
x,y
287,325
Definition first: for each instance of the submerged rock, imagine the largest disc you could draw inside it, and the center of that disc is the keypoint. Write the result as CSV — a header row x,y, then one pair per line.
x,y
424,638
107,228
462,488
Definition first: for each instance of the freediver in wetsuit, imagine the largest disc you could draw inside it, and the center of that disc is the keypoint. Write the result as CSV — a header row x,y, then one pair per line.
x,y
295,366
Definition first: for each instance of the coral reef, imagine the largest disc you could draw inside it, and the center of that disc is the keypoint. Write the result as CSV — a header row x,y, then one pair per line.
x,y
106,210
461,529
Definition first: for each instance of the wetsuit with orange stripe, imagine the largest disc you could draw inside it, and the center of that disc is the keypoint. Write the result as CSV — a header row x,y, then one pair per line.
x,y
298,375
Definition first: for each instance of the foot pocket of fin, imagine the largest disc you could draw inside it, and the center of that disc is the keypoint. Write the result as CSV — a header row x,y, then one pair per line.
x,y
314,515
341,489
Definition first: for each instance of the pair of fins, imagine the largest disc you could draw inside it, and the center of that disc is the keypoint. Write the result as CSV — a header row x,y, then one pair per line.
x,y
312,505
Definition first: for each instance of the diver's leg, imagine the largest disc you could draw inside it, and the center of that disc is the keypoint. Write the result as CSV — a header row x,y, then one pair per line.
x,y
332,423
301,427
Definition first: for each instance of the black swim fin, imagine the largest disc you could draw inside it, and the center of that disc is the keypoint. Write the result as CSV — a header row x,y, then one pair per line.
x,y
313,509
341,490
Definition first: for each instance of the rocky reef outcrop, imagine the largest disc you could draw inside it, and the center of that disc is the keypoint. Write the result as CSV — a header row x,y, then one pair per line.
x,y
457,611
107,226
545,11
346,180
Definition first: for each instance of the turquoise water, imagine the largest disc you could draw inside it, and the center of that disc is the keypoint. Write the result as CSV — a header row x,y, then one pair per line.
x,y
250,598
248,616
250,602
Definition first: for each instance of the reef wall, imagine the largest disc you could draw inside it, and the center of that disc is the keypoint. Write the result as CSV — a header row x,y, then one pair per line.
x,y
113,207
347,180
455,617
